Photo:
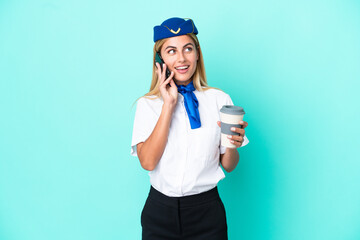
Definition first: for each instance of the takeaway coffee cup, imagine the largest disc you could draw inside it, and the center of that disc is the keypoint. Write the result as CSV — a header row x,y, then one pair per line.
x,y
230,116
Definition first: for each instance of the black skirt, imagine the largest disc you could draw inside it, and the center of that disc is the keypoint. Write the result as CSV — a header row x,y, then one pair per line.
x,y
195,217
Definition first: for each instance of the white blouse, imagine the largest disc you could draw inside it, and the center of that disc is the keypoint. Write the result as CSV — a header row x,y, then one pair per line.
x,y
190,163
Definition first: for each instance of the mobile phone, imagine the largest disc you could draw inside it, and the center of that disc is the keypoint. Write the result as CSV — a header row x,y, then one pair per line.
x,y
159,59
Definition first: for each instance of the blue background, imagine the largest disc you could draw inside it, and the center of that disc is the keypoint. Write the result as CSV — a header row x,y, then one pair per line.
x,y
71,70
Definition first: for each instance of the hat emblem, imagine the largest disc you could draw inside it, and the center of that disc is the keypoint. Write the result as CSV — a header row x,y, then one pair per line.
x,y
174,31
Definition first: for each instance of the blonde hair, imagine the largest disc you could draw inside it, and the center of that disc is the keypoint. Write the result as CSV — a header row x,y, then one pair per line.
x,y
199,77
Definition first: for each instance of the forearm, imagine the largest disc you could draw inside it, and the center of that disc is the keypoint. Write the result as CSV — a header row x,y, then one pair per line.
x,y
230,159
154,146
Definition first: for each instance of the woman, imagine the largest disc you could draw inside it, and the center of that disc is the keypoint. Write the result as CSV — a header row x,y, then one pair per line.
x,y
176,136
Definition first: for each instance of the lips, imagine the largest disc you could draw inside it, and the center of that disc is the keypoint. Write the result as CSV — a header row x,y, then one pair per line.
x,y
182,69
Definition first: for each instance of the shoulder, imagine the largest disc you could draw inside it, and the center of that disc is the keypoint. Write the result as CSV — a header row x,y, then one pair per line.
x,y
216,93
148,100
149,105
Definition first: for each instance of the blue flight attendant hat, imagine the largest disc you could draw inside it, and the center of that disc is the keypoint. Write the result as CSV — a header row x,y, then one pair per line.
x,y
173,27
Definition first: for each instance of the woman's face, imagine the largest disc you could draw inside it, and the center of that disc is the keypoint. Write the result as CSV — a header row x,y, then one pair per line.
x,y
179,53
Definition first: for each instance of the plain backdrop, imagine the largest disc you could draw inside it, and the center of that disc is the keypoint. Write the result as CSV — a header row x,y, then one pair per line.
x,y
71,70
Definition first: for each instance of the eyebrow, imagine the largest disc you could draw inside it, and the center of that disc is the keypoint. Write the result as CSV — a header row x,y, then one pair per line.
x,y
183,46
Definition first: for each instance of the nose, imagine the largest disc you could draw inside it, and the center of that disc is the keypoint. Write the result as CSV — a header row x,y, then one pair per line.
x,y
181,57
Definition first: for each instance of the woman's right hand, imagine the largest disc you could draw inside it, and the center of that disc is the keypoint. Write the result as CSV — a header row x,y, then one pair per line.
x,y
168,93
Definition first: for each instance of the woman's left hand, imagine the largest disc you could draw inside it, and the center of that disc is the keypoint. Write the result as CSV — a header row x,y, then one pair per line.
x,y
235,139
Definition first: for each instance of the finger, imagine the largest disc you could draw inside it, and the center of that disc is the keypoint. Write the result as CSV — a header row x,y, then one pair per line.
x,y
238,130
235,137
237,143
168,79
172,83
238,138
171,75
243,124
164,83
242,131
158,71
219,123
164,70
161,73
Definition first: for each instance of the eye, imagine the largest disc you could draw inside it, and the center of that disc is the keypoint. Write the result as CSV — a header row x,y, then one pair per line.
x,y
170,51
190,49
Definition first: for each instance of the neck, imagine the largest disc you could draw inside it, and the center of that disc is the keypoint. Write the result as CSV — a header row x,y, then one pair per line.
x,y
185,83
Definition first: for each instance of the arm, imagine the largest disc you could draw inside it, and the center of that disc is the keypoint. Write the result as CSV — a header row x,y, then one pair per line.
x,y
230,159
150,151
